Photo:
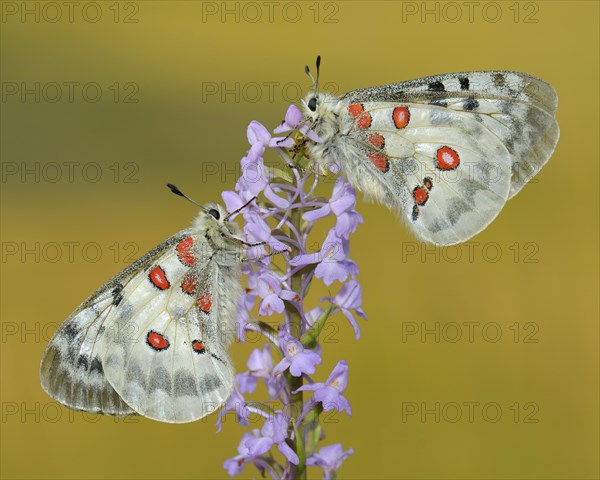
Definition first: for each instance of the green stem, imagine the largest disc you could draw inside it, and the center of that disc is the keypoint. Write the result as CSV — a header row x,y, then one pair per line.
x,y
311,423
295,383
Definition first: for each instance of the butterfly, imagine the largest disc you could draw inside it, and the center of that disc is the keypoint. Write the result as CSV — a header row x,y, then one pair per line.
x,y
153,340
444,152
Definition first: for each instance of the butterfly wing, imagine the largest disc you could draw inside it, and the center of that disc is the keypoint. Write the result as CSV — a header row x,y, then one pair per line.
x,y
169,359
440,169
72,370
517,108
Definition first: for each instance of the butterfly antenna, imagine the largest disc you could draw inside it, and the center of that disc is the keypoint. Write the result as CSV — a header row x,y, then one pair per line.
x,y
312,79
318,63
176,191
240,209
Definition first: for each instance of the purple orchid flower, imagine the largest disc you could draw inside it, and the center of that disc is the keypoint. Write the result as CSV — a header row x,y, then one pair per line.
x,y
329,458
250,450
260,365
235,403
260,138
275,429
312,315
255,177
258,230
300,360
295,121
270,290
235,200
332,259
341,204
256,444
330,392
350,298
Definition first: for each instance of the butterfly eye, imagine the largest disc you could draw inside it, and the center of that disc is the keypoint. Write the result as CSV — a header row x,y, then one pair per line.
x,y
312,104
214,213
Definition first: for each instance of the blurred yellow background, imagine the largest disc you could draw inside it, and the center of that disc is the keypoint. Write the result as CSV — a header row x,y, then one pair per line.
x,y
103,103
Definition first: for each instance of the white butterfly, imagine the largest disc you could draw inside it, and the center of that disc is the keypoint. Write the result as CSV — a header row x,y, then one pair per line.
x,y
445,152
153,340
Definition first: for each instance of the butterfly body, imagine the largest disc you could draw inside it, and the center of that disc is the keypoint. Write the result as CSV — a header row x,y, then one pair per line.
x,y
154,339
444,152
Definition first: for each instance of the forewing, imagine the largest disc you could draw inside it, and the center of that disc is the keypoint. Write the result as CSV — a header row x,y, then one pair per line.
x,y
72,370
443,170
517,108
172,364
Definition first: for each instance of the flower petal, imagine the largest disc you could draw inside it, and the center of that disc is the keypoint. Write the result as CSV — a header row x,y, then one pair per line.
x,y
312,387
281,366
305,259
257,133
314,215
293,116
304,362
288,453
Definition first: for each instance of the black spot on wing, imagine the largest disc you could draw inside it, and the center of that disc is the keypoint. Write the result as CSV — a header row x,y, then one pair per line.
x,y
117,293
436,87
70,332
499,80
470,104
464,83
83,361
218,358
96,366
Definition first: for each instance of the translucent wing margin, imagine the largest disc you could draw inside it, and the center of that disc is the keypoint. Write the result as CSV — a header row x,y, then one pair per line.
x,y
72,370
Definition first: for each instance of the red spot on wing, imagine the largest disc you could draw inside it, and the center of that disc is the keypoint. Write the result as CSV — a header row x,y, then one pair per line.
x,y
185,244
157,341
158,278
377,140
198,346
356,109
447,158
205,302
364,121
380,161
185,253
187,258
189,284
421,195
401,117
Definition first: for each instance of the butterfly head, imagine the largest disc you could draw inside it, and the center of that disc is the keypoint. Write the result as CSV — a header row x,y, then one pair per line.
x,y
317,106
212,222
320,111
